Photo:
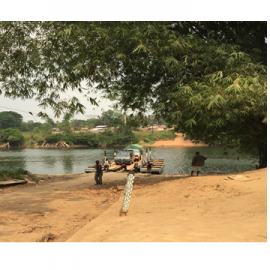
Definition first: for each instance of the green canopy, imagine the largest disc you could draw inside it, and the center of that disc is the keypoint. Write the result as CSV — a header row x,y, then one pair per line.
x,y
134,146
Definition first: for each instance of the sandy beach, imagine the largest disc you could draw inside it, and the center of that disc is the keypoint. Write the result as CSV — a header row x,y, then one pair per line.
x,y
178,141
163,208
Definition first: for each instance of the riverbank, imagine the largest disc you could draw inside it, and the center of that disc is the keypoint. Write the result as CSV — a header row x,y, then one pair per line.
x,y
178,141
163,208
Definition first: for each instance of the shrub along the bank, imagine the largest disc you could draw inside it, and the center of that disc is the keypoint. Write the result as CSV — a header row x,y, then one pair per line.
x,y
150,137
11,135
93,139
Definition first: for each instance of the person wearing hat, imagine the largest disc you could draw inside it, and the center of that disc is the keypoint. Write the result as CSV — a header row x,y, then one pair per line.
x,y
98,174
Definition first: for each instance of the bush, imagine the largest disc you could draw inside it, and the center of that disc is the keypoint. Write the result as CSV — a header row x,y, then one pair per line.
x,y
36,130
54,138
155,136
126,138
40,141
11,135
46,129
107,137
86,138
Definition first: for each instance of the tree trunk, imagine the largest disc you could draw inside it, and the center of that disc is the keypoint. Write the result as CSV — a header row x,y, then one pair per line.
x,y
125,117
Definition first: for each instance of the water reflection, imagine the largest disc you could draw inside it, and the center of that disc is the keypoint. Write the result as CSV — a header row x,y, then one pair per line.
x,y
68,163
12,159
177,160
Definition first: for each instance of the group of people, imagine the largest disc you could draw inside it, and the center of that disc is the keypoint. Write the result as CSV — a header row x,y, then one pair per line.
x,y
137,165
197,163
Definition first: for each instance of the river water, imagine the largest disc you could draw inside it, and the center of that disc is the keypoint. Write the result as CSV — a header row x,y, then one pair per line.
x,y
75,160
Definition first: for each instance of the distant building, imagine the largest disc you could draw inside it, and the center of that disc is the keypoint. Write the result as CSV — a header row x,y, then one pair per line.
x,y
105,126
100,127
96,130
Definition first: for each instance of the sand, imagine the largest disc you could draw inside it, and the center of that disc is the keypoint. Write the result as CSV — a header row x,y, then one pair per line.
x,y
178,141
162,209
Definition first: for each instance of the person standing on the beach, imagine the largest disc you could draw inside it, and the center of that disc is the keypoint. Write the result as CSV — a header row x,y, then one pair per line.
x,y
149,166
136,165
197,163
98,174
106,165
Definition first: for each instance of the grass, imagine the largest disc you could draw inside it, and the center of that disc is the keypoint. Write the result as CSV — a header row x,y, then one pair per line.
x,y
15,174
149,137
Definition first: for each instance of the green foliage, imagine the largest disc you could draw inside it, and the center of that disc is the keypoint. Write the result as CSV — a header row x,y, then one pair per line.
x,y
85,138
54,138
24,127
124,135
107,137
93,139
11,135
10,120
33,124
7,120
45,129
36,130
77,124
50,121
40,141
15,174
150,137
65,127
111,118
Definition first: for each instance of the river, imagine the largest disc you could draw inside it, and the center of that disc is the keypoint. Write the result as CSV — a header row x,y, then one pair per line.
x,y
75,160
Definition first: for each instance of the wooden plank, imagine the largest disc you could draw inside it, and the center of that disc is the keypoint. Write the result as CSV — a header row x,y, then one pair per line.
x,y
114,167
12,182
130,167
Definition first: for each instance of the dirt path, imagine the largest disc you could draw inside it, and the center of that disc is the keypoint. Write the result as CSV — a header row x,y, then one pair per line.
x,y
178,141
163,208
57,208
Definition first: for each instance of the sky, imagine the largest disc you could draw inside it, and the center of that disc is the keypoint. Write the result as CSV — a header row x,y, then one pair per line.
x,y
23,107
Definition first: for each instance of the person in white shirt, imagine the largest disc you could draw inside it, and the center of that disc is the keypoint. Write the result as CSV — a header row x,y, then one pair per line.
x,y
106,165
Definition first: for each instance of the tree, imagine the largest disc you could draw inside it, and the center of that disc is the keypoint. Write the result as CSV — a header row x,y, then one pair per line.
x,y
18,118
46,129
77,124
208,78
65,127
24,127
36,130
50,121
7,120
90,123
13,136
111,117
